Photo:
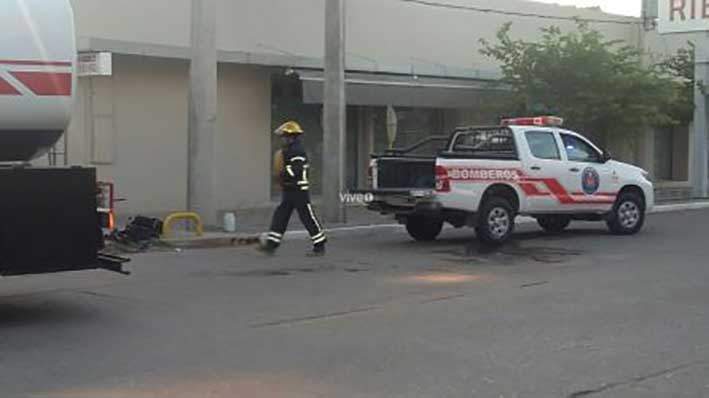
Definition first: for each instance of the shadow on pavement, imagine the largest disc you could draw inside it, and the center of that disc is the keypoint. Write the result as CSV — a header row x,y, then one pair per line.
x,y
17,314
524,247
471,241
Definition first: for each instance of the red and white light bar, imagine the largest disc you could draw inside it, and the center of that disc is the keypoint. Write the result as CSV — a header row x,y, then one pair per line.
x,y
546,121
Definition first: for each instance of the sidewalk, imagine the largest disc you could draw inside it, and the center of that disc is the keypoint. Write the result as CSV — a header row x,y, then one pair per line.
x,y
251,223
259,220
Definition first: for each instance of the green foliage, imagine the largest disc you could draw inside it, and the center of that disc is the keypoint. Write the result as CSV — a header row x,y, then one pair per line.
x,y
680,68
600,87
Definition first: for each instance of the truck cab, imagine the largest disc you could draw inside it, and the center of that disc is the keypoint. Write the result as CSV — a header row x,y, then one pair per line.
x,y
485,177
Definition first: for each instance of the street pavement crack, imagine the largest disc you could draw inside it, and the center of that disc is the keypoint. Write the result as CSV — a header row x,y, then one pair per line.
x,y
534,284
113,297
293,321
442,299
635,380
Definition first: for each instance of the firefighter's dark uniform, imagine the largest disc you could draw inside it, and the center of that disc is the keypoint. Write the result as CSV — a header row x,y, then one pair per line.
x,y
295,196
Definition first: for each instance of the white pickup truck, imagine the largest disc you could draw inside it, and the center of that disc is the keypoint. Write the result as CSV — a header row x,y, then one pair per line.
x,y
484,177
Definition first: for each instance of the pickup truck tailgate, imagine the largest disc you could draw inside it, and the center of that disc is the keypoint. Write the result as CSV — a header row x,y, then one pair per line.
x,y
405,173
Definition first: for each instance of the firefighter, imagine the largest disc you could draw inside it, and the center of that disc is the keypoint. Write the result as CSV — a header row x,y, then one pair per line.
x,y
291,169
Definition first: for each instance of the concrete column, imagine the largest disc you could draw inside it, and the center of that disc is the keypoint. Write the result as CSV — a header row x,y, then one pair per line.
x,y
700,165
335,113
202,176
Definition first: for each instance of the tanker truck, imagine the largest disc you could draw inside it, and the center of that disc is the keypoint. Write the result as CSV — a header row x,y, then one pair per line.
x,y
49,220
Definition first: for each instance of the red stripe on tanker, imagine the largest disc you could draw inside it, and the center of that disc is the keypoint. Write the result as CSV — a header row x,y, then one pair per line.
x,y
7,89
34,63
46,83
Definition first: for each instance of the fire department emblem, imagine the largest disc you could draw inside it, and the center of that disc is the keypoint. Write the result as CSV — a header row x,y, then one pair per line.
x,y
591,181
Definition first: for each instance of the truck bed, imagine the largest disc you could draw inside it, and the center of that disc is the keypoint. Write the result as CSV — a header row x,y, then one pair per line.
x,y
409,168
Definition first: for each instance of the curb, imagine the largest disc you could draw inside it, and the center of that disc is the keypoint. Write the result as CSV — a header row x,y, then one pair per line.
x,y
680,207
209,242
253,238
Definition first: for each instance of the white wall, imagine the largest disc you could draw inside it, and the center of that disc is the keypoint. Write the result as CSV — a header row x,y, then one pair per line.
x,y
243,164
150,142
402,33
164,22
391,32
667,45
133,127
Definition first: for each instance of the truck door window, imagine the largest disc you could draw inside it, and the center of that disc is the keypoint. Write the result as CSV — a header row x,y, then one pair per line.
x,y
579,150
543,145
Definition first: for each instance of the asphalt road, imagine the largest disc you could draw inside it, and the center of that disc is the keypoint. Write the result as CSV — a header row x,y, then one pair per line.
x,y
583,314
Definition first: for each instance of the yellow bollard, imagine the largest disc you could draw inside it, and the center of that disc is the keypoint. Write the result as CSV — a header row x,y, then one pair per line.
x,y
194,217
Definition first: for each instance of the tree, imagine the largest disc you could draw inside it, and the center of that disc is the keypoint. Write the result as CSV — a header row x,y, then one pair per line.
x,y
680,68
600,87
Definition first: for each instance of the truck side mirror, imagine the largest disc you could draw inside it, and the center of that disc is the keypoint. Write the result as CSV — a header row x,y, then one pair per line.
x,y
607,157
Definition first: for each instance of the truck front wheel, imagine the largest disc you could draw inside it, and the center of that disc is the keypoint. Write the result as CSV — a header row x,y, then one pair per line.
x,y
496,221
424,229
628,215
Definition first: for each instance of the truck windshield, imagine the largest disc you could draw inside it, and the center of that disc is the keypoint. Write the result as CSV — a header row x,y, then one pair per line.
x,y
493,143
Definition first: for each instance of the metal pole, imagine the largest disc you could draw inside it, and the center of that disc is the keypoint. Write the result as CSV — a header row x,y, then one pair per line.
x,y
335,113
700,167
203,112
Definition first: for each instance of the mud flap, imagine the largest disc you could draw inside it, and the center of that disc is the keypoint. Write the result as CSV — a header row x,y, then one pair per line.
x,y
112,263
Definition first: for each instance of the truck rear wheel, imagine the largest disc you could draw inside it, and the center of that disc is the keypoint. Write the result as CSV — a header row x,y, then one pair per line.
x,y
424,229
628,215
554,224
496,221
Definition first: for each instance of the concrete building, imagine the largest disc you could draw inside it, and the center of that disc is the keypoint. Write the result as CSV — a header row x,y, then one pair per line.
x,y
671,150
423,61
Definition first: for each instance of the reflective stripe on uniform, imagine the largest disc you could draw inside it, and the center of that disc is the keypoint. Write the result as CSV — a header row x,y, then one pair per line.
x,y
298,159
319,240
289,169
312,215
275,237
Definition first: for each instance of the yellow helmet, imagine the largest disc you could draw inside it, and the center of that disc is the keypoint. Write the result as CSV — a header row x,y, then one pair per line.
x,y
289,128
